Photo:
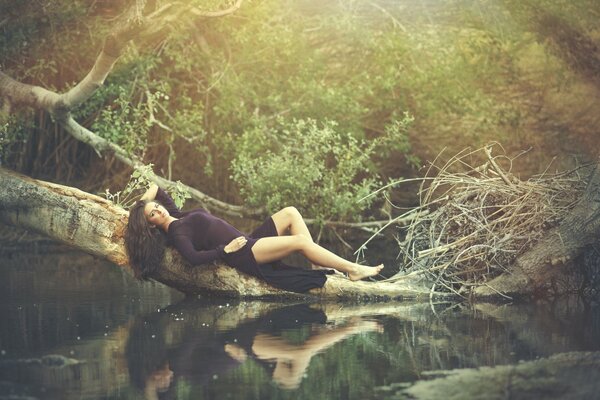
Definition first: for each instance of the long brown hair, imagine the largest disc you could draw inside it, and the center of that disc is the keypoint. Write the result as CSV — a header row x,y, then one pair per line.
x,y
145,245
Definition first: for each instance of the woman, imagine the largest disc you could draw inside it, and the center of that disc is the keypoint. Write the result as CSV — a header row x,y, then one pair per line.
x,y
202,238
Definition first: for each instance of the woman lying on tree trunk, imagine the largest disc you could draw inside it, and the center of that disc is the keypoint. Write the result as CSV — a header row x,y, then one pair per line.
x,y
202,238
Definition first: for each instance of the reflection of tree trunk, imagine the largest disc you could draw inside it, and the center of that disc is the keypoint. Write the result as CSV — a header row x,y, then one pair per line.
x,y
544,329
566,375
96,226
538,269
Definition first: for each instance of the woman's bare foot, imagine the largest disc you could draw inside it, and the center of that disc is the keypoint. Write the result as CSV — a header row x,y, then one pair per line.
x,y
363,325
362,272
236,352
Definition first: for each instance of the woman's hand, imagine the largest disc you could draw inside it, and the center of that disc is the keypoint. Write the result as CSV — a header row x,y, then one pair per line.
x,y
236,244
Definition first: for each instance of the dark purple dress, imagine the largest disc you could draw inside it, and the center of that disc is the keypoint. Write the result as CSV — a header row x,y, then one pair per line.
x,y
201,237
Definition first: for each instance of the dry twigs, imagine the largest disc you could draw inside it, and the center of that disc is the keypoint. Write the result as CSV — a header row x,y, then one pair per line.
x,y
484,218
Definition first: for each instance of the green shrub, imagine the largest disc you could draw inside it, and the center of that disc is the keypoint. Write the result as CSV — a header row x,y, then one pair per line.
x,y
311,165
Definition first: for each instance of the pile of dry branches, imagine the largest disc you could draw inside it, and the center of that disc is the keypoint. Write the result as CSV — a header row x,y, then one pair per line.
x,y
474,221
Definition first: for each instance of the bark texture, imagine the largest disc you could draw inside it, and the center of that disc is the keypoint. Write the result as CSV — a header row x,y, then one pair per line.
x,y
96,226
536,270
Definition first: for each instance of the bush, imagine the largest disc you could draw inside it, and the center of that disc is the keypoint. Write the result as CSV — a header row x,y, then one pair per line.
x,y
311,165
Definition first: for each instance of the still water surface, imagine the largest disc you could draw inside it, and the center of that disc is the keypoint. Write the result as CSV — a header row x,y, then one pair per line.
x,y
77,328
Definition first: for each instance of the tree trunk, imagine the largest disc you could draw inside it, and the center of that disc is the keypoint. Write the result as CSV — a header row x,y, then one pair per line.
x,y
537,270
96,226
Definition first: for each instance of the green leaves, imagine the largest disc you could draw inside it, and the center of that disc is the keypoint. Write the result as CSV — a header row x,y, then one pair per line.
x,y
139,181
13,131
126,122
304,163
256,93
179,193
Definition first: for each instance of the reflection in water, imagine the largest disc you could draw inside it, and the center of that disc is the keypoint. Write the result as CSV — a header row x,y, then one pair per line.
x,y
64,317
261,350
74,328
282,342
50,299
253,350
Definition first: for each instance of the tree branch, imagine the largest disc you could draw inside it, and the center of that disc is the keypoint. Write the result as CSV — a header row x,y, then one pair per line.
x,y
103,146
134,26
16,94
88,86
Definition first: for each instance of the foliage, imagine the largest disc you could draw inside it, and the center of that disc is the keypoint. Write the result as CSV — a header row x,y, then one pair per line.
x,y
312,165
124,123
303,162
140,180
179,193
13,131
396,138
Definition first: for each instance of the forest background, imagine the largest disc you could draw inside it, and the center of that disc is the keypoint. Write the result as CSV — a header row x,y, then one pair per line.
x,y
310,103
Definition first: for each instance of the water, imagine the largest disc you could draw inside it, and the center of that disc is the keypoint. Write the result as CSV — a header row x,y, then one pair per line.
x,y
77,328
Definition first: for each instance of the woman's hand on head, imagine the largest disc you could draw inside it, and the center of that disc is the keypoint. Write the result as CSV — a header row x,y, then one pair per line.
x,y
150,194
236,244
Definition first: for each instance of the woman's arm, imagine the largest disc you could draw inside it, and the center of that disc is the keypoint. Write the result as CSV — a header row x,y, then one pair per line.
x,y
167,201
150,194
158,194
184,245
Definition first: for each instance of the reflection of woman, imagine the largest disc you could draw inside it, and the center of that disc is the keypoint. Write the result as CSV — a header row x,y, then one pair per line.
x,y
147,357
154,365
200,355
203,238
287,362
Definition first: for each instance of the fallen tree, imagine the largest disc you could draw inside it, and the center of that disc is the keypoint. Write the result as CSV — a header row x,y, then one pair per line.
x,y
96,226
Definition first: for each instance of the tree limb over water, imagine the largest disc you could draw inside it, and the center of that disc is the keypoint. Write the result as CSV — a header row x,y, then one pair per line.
x,y
96,226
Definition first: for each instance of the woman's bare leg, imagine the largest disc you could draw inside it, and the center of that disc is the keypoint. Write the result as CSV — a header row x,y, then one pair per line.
x,y
289,221
270,249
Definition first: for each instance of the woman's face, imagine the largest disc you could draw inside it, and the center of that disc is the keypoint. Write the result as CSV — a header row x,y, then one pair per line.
x,y
160,380
155,213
